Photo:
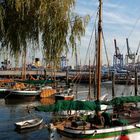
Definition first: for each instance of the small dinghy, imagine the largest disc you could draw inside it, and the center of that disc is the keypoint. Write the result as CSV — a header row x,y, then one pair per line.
x,y
30,123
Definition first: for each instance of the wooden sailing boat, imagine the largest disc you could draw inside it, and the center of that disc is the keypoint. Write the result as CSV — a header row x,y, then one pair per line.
x,y
122,126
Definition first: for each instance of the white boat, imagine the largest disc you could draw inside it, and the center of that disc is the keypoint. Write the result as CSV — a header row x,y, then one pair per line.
x,y
65,95
30,123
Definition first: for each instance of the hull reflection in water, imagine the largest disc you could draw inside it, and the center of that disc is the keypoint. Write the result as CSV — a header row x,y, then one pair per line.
x,y
18,102
47,101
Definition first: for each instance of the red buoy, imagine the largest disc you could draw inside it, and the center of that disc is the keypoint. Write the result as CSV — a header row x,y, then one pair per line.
x,y
124,137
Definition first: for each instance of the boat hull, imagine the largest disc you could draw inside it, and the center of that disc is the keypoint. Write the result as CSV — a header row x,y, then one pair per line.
x,y
28,123
64,97
115,133
5,92
24,94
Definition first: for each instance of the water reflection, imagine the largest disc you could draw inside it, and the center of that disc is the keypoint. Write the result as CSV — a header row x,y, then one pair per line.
x,y
16,110
47,101
18,102
41,101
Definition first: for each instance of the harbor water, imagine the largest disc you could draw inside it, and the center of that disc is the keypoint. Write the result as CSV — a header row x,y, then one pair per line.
x,y
12,111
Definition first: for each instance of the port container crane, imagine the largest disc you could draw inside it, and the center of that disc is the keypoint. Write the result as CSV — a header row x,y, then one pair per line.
x,y
129,55
118,57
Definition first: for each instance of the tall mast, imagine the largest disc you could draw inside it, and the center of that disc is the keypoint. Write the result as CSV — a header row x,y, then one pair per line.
x,y
99,51
24,64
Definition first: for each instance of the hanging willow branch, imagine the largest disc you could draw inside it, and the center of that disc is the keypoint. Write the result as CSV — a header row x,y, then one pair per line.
x,y
22,21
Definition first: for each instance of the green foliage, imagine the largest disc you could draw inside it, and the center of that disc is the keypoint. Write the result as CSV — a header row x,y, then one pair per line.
x,y
22,21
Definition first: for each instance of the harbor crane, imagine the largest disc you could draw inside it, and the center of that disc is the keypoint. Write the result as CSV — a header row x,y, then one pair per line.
x,y
138,49
129,56
118,57
138,56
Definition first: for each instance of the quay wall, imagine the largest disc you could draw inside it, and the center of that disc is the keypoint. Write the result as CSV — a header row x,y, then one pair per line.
x,y
4,73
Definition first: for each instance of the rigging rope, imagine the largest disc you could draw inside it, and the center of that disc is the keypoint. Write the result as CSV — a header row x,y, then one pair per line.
x,y
132,30
88,50
105,49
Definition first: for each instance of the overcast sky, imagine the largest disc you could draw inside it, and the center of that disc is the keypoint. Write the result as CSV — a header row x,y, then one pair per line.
x,y
121,20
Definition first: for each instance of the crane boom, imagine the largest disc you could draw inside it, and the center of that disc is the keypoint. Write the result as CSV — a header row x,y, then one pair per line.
x,y
130,54
117,51
138,49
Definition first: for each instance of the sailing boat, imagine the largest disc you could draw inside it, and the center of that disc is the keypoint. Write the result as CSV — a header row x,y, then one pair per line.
x,y
123,125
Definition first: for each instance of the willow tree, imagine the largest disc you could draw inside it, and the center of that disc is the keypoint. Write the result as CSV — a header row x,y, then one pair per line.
x,y
18,26
22,21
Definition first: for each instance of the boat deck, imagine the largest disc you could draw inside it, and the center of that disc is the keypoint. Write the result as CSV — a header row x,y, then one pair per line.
x,y
118,119
132,117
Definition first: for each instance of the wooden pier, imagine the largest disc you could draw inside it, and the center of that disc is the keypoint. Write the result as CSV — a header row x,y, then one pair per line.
x,y
73,75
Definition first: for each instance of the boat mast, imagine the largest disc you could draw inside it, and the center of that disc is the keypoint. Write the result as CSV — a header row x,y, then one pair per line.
x,y
99,51
24,64
89,93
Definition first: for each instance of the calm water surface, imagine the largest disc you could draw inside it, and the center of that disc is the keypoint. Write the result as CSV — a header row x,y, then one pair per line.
x,y
15,110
